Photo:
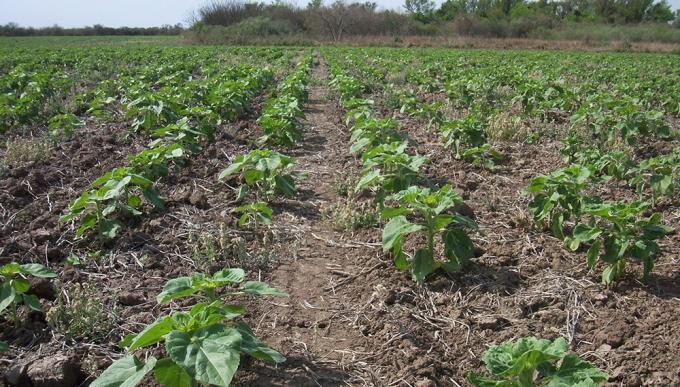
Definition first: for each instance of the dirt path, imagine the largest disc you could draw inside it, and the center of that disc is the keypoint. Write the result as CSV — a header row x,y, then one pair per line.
x,y
316,327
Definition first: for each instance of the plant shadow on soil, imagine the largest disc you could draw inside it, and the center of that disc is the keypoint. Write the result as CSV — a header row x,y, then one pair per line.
x,y
296,371
301,207
496,280
313,145
664,287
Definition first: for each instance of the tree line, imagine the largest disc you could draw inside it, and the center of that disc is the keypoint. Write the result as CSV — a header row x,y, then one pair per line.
x,y
496,18
14,29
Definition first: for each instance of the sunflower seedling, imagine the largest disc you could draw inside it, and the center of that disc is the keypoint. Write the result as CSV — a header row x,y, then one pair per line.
x,y
530,362
431,213
203,345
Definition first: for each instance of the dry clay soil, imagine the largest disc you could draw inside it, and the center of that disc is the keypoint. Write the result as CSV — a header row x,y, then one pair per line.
x,y
351,317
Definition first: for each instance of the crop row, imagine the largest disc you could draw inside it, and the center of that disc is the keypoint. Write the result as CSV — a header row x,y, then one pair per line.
x,y
602,133
412,205
204,343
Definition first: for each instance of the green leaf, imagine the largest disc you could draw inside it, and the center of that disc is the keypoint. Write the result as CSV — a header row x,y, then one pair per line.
x,y
400,261
4,347
423,264
20,285
557,225
594,253
169,374
585,233
86,223
32,302
480,381
175,288
395,229
388,212
573,371
7,295
37,270
209,355
125,372
613,272
256,348
441,221
285,185
458,248
154,198
110,228
262,289
73,260
230,170
242,191
10,269
152,334
661,183
523,356
368,180
229,276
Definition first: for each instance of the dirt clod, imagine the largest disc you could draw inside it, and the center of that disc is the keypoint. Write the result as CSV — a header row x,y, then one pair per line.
x,y
131,298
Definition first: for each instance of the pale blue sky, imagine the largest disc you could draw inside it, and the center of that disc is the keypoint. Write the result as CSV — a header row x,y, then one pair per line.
x,y
116,13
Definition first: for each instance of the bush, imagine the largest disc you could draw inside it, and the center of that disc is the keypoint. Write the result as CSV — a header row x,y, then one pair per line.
x,y
259,26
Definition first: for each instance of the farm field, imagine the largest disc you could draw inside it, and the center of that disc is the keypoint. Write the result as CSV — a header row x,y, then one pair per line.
x,y
358,216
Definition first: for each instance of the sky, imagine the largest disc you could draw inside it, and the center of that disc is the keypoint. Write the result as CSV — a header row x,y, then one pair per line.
x,y
117,13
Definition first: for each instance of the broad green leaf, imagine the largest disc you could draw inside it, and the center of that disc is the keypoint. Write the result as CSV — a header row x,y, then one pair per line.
x,y
423,265
594,253
125,372
10,268
7,295
441,221
169,374
152,334
395,229
110,228
32,302
399,257
20,285
37,270
368,180
86,223
458,248
612,272
4,347
209,355
154,198
256,348
585,233
175,288
525,354
480,381
285,185
573,370
661,183
262,289
227,276
557,225
388,212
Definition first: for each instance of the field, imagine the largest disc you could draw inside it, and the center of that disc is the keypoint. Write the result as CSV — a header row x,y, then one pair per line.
x,y
416,206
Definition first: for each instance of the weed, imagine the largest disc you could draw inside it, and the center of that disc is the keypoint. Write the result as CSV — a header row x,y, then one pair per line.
x,y
205,250
350,215
79,313
26,150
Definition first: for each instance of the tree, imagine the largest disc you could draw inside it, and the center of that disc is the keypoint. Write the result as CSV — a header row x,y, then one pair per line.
x,y
422,10
659,12
452,8
334,17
